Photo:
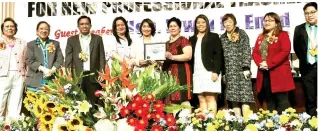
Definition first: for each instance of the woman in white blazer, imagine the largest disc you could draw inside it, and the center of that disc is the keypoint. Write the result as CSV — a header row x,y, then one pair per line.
x,y
12,69
147,29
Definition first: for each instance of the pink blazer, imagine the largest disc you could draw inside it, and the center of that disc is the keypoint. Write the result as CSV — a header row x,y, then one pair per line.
x,y
19,52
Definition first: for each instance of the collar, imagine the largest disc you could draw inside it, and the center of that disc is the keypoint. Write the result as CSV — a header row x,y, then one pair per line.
x,y
85,37
309,25
40,41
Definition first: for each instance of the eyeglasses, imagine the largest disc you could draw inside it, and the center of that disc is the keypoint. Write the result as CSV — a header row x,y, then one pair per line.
x,y
268,21
310,13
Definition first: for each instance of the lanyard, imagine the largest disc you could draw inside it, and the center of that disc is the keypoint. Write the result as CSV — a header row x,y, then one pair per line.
x,y
313,39
81,43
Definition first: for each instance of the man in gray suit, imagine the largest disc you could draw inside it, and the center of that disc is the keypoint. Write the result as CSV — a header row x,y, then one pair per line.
x,y
85,53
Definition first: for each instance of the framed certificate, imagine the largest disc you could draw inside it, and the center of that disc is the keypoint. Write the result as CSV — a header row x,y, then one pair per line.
x,y
155,51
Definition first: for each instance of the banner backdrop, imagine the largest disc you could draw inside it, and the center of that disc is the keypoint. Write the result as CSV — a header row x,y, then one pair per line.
x,y
62,16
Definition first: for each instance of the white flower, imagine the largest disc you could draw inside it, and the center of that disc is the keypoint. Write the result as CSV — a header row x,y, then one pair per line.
x,y
122,125
228,118
258,126
103,124
252,117
306,129
183,113
67,86
295,123
100,114
74,92
189,128
304,116
205,111
210,115
58,121
280,129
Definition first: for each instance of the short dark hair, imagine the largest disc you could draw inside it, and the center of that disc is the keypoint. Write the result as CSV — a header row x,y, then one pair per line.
x,y
314,4
42,22
114,28
84,17
9,19
174,19
151,25
229,16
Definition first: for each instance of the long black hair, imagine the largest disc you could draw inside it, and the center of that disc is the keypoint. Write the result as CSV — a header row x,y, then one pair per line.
x,y
114,28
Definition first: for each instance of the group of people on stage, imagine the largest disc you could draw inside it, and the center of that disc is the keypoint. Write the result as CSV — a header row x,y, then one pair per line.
x,y
201,62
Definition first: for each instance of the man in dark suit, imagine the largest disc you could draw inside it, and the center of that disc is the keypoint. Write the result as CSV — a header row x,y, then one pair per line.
x,y
306,47
85,53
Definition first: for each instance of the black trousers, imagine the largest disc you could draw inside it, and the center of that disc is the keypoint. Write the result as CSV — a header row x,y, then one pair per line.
x,y
275,101
89,89
309,82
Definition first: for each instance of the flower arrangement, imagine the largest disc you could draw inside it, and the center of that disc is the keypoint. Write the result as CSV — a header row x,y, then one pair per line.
x,y
51,47
263,120
21,123
59,105
3,45
120,86
145,113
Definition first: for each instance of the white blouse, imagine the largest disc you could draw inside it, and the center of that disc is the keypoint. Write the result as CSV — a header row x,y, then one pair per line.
x,y
137,48
121,48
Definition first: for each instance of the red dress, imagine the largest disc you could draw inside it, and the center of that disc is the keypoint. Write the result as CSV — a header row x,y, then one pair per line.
x,y
181,70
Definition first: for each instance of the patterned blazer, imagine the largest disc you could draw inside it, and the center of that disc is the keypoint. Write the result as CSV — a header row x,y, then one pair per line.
x,y
19,52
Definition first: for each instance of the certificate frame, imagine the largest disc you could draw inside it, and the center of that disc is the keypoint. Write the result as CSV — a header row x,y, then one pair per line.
x,y
155,51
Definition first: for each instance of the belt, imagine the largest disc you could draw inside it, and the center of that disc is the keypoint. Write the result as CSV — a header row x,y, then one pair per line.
x,y
314,65
86,72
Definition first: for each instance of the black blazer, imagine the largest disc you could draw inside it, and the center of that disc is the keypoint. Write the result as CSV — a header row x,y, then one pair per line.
x,y
97,55
300,46
211,52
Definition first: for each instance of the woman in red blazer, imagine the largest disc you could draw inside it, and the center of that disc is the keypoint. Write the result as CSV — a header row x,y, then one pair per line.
x,y
270,53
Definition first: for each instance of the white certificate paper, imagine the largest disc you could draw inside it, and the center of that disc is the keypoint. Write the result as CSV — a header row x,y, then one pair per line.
x,y
155,51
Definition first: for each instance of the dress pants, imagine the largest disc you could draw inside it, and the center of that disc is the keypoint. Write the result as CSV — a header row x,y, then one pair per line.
x,y
11,89
309,81
89,89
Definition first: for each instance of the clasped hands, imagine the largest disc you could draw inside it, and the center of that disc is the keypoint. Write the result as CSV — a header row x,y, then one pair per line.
x,y
263,66
47,72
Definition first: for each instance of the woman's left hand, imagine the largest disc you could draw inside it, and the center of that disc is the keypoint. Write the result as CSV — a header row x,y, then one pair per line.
x,y
215,76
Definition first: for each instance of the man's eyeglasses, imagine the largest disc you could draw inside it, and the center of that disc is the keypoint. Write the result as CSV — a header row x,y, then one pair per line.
x,y
310,13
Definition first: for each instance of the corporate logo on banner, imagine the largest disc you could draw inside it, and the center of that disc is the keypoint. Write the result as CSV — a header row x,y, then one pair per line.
x,y
50,9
